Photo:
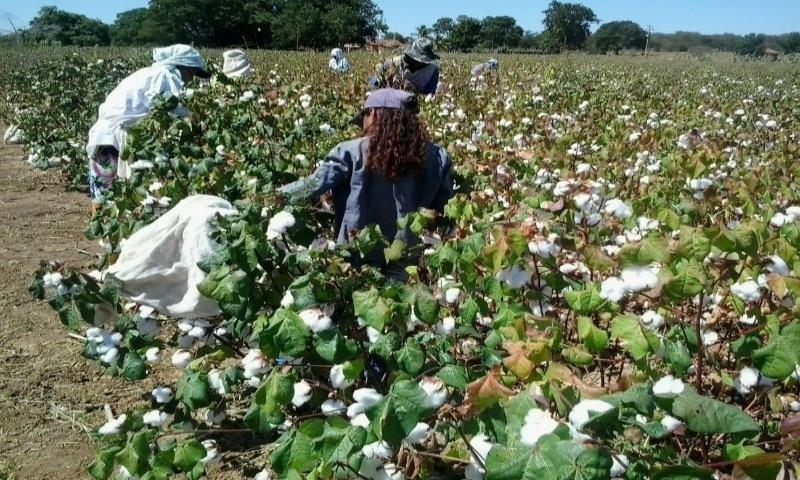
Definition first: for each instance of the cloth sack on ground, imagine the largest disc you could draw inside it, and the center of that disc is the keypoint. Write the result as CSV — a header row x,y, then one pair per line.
x,y
236,64
158,264
14,136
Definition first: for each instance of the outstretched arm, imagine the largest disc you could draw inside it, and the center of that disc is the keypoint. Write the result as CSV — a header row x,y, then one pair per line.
x,y
333,171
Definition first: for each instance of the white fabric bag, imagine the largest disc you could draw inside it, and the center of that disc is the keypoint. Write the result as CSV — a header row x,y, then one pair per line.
x,y
157,266
14,136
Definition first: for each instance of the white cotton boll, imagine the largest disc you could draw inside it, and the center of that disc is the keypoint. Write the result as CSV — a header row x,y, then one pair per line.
x,y
287,300
279,223
670,423
435,391
164,202
618,209
254,364
417,434
197,332
141,165
367,397
515,277
264,475
247,96
332,407
537,424
451,295
747,291
338,379
777,266
53,280
373,335
748,319
124,474
612,289
445,326
749,377
326,128
360,420
162,394
316,320
154,418
779,219
212,451
582,168
110,357
152,355
392,472
155,187
544,248
413,322
181,358
220,331
113,426
568,268
215,381
185,326
480,447
380,449
484,320
652,320
619,466
668,387
468,346
637,279
793,213
580,413
302,393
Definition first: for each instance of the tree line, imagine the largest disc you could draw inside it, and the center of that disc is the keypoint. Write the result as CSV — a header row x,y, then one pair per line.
x,y
315,24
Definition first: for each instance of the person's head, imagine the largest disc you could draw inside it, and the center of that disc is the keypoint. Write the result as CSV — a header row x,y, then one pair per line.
x,y
185,59
236,64
492,64
398,140
337,53
419,54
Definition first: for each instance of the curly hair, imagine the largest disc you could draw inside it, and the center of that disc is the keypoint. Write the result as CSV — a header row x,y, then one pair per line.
x,y
398,144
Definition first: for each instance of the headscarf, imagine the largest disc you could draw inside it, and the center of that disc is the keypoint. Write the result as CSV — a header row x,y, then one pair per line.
x,y
236,64
337,53
178,55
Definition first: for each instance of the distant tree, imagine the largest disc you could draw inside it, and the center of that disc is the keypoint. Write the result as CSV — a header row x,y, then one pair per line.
x,y
423,31
497,32
466,33
752,44
567,25
52,25
15,35
789,42
396,36
137,27
530,41
442,28
615,36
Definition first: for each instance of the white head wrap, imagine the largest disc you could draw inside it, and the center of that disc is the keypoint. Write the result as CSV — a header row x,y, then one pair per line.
x,y
337,53
178,55
236,64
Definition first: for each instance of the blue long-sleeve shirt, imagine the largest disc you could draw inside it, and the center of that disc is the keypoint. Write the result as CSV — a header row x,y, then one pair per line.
x,y
362,198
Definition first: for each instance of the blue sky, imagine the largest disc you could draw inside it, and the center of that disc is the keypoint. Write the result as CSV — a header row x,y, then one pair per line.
x,y
707,16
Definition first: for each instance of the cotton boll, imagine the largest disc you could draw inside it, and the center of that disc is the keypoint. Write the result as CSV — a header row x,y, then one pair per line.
x,y
515,277
264,475
618,209
287,300
360,420
181,358
747,291
451,295
749,320
378,449
316,320
638,279
668,387
302,393
779,219
537,424
162,394
215,381
185,326
777,266
612,289
367,396
579,415
332,407
417,434
670,423
154,418
468,346
110,357
279,224
214,418
338,379
151,355
212,451
391,472
652,320
435,391
619,466
445,326
113,426
254,364
373,335
710,337
480,448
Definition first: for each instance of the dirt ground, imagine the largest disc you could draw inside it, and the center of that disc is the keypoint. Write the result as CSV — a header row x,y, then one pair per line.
x,y
51,398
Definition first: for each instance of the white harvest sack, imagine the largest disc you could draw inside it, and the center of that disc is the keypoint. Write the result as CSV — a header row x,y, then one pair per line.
x,y
14,136
158,264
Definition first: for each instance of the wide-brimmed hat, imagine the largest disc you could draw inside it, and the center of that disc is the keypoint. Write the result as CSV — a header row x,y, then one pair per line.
x,y
422,51
389,98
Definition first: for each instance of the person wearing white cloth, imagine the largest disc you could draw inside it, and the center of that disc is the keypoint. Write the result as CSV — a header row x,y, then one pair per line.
x,y
236,64
157,265
338,63
130,102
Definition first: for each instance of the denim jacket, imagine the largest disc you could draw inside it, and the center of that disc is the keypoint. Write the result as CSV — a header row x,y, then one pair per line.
x,y
362,198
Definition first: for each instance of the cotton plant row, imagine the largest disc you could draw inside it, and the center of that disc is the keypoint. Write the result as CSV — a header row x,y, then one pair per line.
x,y
612,293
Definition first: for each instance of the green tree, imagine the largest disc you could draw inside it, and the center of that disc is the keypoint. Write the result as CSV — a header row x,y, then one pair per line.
x,y
500,32
466,33
423,31
530,41
789,43
136,27
442,28
615,36
567,25
52,25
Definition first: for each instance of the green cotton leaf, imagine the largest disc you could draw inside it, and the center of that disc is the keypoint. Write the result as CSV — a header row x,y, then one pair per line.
x,y
193,390
637,397
454,376
394,252
386,346
593,464
286,334
585,301
188,454
683,472
426,307
692,244
396,415
223,285
635,339
266,410
738,451
469,309
411,357
373,309
133,367
134,457
595,339
706,415
781,355
687,281
677,356
103,465
651,249
577,356
332,347
597,260
668,218
551,459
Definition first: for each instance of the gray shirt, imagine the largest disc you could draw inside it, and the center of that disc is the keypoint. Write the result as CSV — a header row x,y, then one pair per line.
x,y
362,198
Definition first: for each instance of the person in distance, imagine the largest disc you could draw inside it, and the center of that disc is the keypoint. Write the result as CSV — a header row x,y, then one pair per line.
x,y
415,70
